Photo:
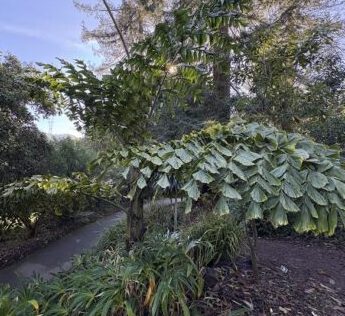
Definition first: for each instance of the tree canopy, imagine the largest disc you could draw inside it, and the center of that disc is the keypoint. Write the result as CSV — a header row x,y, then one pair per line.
x,y
134,19
278,176
21,144
171,66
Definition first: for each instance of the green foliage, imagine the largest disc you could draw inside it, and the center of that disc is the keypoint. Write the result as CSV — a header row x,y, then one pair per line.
x,y
167,68
330,132
288,58
134,19
179,278
275,175
176,121
216,238
292,64
265,229
26,201
69,156
157,278
22,146
113,239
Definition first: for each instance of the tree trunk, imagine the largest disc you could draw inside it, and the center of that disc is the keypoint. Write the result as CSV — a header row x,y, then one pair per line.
x,y
175,214
135,219
252,240
221,71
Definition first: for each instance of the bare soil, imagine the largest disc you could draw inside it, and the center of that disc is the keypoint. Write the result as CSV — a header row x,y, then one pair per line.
x,y
297,277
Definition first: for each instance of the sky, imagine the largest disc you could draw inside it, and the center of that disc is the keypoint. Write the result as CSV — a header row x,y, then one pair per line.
x,y
40,31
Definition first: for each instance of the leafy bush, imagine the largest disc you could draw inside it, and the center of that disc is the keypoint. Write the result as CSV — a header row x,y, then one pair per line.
x,y
6,306
214,238
26,202
330,132
273,174
164,215
113,240
18,303
176,276
69,155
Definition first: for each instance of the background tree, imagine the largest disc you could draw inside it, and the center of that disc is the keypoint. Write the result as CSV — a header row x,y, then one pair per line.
x,y
272,61
22,146
290,53
135,19
70,155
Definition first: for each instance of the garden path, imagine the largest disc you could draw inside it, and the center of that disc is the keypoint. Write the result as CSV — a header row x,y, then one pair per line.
x,y
57,255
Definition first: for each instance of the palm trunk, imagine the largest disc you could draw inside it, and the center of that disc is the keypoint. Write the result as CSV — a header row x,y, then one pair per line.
x,y
135,219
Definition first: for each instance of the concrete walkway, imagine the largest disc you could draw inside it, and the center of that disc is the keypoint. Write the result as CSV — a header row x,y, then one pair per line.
x,y
58,254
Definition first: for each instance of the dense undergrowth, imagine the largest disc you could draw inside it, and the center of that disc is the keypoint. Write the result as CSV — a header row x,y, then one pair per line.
x,y
25,204
162,275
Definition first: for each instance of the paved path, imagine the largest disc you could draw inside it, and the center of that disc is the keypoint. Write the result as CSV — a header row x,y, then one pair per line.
x,y
57,255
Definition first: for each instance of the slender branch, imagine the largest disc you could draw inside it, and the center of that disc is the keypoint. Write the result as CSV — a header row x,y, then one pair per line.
x,y
235,89
123,209
154,103
117,28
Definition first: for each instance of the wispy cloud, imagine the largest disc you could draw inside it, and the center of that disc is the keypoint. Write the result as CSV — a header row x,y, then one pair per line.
x,y
56,38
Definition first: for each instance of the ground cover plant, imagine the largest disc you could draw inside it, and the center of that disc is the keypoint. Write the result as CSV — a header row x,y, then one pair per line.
x,y
161,276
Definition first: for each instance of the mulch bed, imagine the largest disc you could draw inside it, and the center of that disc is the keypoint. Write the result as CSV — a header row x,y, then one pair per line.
x,y
12,251
296,278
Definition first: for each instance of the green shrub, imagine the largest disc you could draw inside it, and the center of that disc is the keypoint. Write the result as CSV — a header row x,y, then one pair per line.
x,y
113,239
215,237
23,203
158,277
6,305
159,214
176,276
18,303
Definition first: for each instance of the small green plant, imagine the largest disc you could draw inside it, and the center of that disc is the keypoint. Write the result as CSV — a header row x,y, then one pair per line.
x,y
113,239
6,305
175,279
215,237
22,302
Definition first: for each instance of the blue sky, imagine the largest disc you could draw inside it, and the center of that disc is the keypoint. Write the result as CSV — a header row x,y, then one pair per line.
x,y
40,31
